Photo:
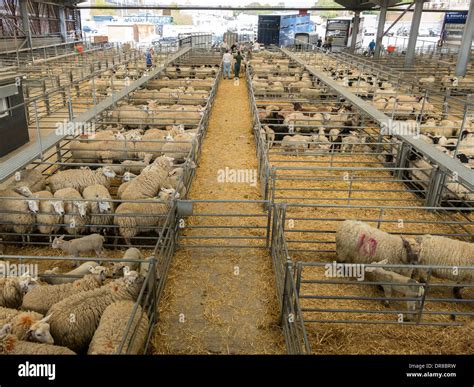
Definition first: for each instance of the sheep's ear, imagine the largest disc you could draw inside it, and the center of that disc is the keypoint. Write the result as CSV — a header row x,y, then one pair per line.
x,y
61,237
383,262
45,319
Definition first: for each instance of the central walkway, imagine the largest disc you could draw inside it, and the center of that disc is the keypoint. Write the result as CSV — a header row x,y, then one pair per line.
x,y
221,299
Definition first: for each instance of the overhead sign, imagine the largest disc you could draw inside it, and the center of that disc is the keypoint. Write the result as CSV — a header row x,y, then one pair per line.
x,y
158,20
458,17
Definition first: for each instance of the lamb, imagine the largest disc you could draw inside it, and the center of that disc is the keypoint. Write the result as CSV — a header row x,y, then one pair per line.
x,y
180,147
80,178
12,290
75,210
131,253
149,182
404,286
442,251
101,206
42,298
10,345
269,135
112,327
349,143
357,242
74,320
296,143
53,277
133,218
130,115
75,247
320,141
27,325
50,215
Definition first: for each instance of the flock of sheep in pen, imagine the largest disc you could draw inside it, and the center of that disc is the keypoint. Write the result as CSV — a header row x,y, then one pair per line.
x,y
126,174
318,123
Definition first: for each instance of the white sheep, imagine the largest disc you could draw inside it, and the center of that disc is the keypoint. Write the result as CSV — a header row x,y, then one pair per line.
x,y
75,319
133,166
27,325
442,251
112,328
74,247
357,242
10,345
50,215
133,218
130,253
31,178
80,178
149,182
295,144
54,277
101,206
400,285
43,297
18,213
12,290
75,210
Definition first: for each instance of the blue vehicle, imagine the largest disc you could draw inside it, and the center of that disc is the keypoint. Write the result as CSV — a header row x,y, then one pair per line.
x,y
280,30
89,30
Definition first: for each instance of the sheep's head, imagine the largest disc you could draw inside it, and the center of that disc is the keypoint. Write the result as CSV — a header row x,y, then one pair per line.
x,y
33,206
39,331
168,194
99,271
58,206
108,172
131,276
81,207
104,206
24,191
58,242
127,176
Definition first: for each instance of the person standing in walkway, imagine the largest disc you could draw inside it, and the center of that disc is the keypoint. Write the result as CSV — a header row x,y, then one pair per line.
x,y
149,58
224,47
319,43
372,47
238,61
226,63
330,39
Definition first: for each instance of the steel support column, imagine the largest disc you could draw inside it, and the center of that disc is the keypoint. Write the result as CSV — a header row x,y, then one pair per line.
x,y
62,24
380,29
415,26
466,43
25,20
355,31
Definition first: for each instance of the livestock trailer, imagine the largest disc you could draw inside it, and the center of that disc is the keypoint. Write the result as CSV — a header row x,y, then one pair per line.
x,y
340,29
306,39
280,30
231,38
13,121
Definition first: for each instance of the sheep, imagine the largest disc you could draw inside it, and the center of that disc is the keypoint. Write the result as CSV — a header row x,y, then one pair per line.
x,y
357,242
10,345
53,277
133,166
101,207
149,182
75,210
349,143
442,251
75,247
269,135
112,328
18,214
80,178
131,253
12,290
42,298
296,143
31,178
50,215
320,141
180,147
74,319
27,325
134,218
399,284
